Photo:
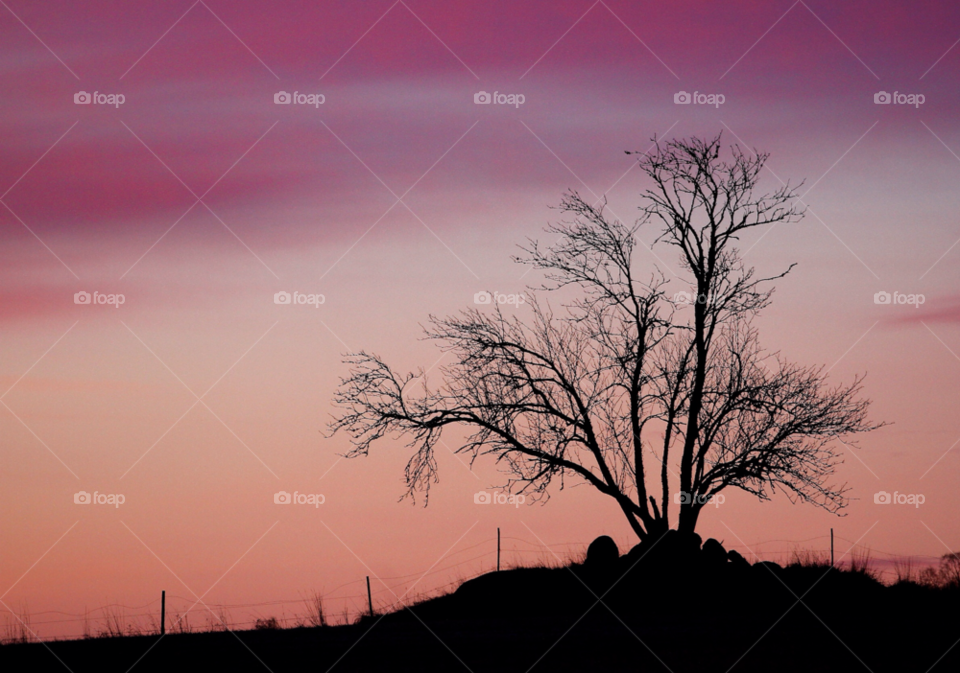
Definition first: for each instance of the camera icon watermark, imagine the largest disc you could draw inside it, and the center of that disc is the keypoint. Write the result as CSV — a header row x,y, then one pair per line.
x,y
498,498
697,98
285,298
897,98
885,298
684,498
297,98
298,498
897,498
497,98
97,498
97,98
484,298
83,297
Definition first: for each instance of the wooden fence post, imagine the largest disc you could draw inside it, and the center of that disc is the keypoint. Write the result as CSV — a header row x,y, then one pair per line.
x,y
369,596
163,612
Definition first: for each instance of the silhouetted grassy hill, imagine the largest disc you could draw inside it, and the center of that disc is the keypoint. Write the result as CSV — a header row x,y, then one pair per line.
x,y
669,606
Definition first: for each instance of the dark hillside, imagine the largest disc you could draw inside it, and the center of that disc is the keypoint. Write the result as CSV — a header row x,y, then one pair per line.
x,y
671,607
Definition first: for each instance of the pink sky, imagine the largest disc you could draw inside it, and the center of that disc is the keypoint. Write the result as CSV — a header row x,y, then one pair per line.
x,y
303,198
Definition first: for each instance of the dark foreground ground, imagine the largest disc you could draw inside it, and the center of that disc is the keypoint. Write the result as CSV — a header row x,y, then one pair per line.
x,y
675,609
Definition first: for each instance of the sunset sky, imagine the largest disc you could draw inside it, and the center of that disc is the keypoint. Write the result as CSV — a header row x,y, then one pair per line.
x,y
198,198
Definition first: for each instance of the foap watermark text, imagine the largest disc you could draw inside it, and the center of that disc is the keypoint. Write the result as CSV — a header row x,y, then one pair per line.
x,y
483,297
897,498
97,98
313,300
697,98
914,300
98,498
897,98
84,297
497,98
297,98
298,498
498,498
684,498
684,297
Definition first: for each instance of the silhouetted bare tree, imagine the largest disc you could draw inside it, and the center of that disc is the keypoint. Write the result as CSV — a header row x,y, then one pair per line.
x,y
629,379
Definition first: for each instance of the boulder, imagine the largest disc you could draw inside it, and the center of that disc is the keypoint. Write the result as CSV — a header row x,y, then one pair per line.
x,y
736,559
643,549
767,567
602,553
677,546
691,542
713,553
